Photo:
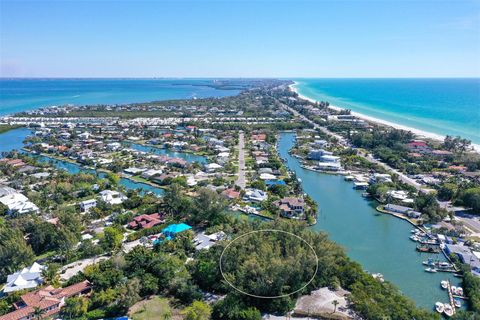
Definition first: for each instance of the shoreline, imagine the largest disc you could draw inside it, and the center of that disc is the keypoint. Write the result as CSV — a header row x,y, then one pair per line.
x,y
418,132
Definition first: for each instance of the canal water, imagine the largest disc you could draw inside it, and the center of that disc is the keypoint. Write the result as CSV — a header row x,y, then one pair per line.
x,y
13,140
379,242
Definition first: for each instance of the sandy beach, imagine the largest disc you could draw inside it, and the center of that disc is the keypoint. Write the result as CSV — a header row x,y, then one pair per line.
x,y
419,133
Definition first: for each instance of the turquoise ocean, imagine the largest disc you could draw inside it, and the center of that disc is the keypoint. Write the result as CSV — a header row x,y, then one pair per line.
x,y
26,94
440,106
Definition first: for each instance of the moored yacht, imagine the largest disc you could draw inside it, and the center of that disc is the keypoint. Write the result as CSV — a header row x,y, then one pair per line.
x,y
448,310
444,284
439,307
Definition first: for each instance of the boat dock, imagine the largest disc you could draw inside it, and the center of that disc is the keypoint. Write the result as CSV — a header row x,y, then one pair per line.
x,y
450,296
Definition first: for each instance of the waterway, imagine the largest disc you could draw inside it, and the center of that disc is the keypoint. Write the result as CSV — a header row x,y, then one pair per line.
x,y
13,140
379,242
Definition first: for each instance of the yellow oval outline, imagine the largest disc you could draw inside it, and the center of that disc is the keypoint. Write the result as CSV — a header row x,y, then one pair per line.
x,y
269,297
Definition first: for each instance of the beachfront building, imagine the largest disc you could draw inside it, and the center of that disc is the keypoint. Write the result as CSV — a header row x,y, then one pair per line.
x,y
418,146
291,207
27,278
48,299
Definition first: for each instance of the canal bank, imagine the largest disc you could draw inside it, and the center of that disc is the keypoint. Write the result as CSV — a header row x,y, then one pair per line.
x,y
13,140
379,242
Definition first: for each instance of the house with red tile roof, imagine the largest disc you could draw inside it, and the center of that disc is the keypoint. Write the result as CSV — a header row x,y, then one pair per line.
x,y
419,146
291,207
146,221
48,299
231,193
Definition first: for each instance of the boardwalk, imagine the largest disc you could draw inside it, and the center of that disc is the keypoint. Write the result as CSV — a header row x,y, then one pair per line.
x,y
241,182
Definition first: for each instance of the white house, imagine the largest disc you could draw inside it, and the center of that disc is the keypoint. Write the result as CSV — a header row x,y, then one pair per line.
x,y
86,205
27,278
255,195
212,167
16,202
112,197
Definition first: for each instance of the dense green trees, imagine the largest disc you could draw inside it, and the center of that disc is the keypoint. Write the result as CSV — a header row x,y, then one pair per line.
x,y
373,299
15,253
198,310
112,239
470,198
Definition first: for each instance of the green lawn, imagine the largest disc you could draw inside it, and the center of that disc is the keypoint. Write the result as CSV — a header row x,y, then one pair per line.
x,y
154,308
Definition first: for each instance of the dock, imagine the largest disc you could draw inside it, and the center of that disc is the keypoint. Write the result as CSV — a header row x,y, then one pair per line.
x,y
450,296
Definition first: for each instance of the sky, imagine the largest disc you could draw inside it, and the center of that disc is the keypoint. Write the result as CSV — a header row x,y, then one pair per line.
x,y
382,38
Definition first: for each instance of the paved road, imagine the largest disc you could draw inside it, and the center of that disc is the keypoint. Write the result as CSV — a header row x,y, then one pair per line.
x,y
241,182
404,178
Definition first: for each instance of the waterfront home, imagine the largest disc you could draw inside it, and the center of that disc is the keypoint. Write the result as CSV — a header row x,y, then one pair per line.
x,y
329,166
290,207
441,153
134,171
318,154
86,205
255,195
16,202
48,299
329,158
151,173
402,210
146,221
418,146
380,178
112,197
27,278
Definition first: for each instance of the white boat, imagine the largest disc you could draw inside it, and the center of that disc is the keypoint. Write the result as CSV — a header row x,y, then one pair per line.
x,y
460,291
431,270
454,289
444,284
414,238
448,310
439,307
458,303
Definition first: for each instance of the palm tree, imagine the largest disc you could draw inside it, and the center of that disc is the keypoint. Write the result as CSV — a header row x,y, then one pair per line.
x,y
38,313
335,304
50,275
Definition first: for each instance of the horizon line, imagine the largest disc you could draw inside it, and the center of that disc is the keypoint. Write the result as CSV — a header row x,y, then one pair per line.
x,y
235,77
